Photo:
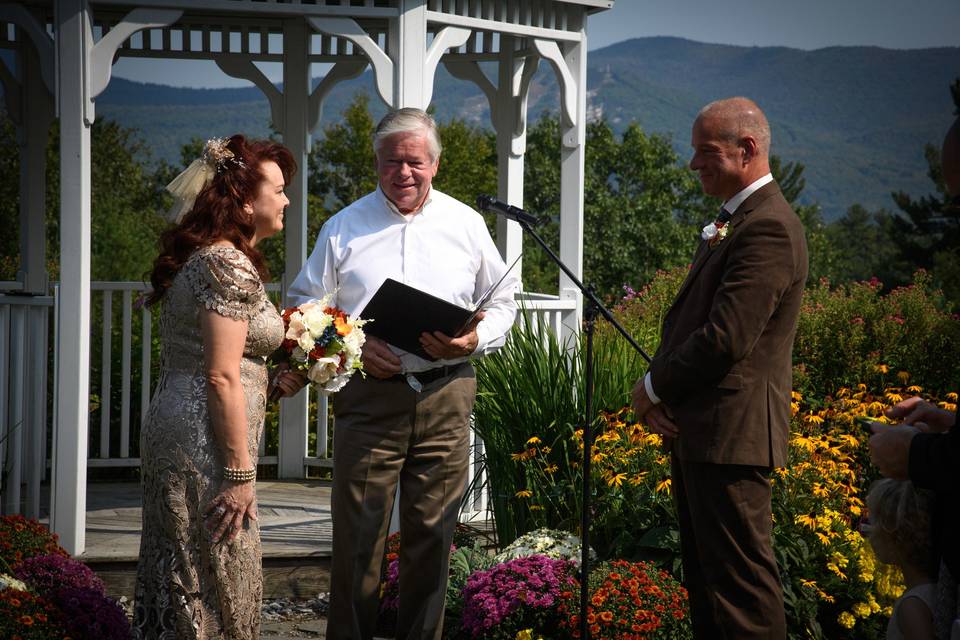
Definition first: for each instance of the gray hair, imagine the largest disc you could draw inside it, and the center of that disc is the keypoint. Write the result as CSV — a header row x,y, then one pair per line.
x,y
408,120
740,117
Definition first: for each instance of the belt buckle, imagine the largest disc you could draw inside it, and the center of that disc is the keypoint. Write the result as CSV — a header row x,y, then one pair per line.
x,y
415,384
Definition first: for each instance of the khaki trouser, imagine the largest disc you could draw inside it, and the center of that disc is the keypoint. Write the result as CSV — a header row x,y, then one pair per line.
x,y
386,433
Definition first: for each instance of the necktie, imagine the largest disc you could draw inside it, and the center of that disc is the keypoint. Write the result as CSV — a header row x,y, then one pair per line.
x,y
724,216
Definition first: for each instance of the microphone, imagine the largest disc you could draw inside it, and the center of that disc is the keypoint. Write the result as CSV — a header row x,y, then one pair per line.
x,y
489,203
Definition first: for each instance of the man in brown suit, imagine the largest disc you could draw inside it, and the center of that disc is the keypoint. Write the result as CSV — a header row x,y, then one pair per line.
x,y
718,388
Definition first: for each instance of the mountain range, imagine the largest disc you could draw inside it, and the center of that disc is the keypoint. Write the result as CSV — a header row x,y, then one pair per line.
x,y
857,118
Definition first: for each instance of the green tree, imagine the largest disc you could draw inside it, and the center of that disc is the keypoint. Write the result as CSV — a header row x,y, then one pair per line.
x,y
125,203
642,207
343,169
822,254
863,246
928,233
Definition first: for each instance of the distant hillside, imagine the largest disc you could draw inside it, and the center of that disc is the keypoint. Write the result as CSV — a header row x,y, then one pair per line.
x,y
857,117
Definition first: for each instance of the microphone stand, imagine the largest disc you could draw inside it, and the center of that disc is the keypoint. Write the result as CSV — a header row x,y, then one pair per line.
x,y
592,309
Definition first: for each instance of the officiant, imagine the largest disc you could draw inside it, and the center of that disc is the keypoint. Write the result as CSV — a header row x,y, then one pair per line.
x,y
407,421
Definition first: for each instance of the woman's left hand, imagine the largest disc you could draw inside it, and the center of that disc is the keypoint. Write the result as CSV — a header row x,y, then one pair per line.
x,y
286,382
226,512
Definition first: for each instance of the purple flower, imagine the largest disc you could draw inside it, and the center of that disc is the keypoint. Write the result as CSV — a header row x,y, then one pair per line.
x,y
521,592
46,573
90,615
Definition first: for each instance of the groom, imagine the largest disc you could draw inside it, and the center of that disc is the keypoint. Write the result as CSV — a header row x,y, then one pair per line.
x,y
718,388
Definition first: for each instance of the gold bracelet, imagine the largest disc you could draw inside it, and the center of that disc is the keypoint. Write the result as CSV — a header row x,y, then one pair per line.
x,y
240,475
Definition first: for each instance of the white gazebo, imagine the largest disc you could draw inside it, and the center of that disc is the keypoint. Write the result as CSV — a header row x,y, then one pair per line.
x,y
64,51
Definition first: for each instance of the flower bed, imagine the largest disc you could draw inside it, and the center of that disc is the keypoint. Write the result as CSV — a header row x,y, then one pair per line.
x,y
46,595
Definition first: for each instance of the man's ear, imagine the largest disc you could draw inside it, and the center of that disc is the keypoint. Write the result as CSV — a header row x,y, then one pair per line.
x,y
750,148
248,209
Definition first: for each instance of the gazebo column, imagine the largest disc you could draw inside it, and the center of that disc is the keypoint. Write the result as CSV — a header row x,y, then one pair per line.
x,y
510,122
69,499
407,46
296,137
84,72
570,64
35,127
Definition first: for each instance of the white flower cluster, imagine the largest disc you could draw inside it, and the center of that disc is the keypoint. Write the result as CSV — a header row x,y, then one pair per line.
x,y
328,343
560,545
9,582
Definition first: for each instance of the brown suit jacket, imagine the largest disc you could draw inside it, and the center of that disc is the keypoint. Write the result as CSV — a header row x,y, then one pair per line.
x,y
723,367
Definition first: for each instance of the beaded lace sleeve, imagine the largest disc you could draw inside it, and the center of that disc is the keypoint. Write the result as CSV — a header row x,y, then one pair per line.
x,y
223,279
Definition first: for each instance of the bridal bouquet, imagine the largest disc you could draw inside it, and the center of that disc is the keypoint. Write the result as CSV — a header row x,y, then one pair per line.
x,y
324,342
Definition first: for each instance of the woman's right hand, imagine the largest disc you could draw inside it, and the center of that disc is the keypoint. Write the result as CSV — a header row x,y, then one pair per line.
x,y
226,512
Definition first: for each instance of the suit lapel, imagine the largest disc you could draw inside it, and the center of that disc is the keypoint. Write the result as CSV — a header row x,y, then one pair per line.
x,y
705,251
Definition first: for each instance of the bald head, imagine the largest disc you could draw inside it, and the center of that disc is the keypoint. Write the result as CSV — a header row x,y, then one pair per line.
x,y
731,146
738,118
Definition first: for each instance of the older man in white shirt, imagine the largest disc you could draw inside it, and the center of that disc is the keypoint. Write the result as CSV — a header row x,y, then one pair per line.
x,y
408,420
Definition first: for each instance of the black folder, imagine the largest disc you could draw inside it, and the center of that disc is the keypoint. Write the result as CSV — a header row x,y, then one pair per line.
x,y
400,313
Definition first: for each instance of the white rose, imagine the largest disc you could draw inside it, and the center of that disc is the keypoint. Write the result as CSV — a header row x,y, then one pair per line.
x,y
317,321
305,341
323,369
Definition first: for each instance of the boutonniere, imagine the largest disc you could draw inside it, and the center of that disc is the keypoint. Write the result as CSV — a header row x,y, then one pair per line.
x,y
715,232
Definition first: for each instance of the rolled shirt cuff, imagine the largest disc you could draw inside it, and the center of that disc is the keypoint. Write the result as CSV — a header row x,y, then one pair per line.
x,y
648,385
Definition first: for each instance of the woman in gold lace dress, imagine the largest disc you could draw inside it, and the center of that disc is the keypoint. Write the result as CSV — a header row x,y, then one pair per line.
x,y
199,574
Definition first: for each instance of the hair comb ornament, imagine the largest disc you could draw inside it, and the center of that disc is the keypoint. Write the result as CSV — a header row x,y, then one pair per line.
x,y
187,186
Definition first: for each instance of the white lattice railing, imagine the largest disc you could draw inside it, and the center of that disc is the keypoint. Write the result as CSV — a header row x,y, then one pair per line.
x,y
24,367
124,345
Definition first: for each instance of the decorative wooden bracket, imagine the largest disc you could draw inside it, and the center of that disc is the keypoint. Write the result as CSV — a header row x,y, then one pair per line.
x,y
447,38
348,29
524,70
550,51
242,67
341,71
17,14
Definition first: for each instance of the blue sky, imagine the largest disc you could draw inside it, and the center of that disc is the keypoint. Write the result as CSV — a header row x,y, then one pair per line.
x,y
801,24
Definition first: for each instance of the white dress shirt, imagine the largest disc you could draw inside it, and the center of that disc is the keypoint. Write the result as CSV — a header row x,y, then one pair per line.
x,y
443,249
730,206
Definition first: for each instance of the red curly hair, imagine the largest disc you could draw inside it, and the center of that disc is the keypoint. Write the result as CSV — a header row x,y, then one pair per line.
x,y
218,214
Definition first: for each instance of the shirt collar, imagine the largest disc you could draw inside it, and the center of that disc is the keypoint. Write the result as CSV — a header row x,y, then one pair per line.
x,y
734,203
383,197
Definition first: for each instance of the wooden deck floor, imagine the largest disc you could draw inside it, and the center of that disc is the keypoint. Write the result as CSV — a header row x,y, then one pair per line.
x,y
295,529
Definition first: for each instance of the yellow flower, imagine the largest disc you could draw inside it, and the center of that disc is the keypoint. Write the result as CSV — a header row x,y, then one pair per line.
x,y
524,493
550,468
533,440
526,634
796,396
663,485
616,480
914,389
881,368
813,419
808,583
846,620
903,376
951,397
893,398
861,610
